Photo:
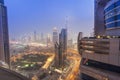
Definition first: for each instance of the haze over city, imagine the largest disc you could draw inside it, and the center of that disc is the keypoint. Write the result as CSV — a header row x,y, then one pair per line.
x,y
60,39
26,16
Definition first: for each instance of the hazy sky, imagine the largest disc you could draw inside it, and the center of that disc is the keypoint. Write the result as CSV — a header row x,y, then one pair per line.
x,y
26,16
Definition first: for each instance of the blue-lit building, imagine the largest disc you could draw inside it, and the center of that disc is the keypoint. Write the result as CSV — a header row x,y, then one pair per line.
x,y
99,20
100,55
4,38
63,44
107,18
2,1
112,18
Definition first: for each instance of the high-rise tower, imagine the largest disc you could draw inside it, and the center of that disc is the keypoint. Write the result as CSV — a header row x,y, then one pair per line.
x,y
63,45
55,35
99,17
35,36
4,38
63,39
100,56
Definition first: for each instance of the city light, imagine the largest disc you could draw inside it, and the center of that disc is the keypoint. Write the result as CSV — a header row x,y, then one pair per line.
x,y
27,65
60,40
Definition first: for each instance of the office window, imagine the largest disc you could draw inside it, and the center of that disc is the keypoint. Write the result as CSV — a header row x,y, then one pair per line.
x,y
110,20
111,25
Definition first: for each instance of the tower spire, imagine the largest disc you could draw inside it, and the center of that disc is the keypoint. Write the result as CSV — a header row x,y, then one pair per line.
x,y
66,22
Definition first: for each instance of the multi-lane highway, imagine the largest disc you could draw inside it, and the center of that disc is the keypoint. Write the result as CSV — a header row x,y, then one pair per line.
x,y
73,70
49,61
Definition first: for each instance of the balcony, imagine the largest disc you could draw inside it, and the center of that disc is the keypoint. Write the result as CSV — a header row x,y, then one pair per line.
x,y
100,46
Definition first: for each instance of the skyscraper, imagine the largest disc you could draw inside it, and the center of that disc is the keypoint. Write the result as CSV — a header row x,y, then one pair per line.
x,y
63,45
101,55
99,17
61,49
35,36
80,36
42,38
48,39
107,18
58,55
55,35
4,38
112,18
63,39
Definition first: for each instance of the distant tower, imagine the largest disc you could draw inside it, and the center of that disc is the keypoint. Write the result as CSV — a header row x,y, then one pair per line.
x,y
66,22
69,33
42,38
55,35
80,35
4,38
65,33
35,36
48,39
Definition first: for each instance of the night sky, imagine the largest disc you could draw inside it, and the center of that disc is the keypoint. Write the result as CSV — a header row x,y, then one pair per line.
x,y
26,16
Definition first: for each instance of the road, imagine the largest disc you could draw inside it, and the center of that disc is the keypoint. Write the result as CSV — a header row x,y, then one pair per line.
x,y
45,66
48,62
75,70
75,67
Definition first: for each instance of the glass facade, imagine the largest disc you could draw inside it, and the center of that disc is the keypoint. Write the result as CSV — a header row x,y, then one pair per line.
x,y
2,1
4,37
112,15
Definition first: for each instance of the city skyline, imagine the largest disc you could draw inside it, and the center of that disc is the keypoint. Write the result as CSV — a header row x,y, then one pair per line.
x,y
42,16
60,40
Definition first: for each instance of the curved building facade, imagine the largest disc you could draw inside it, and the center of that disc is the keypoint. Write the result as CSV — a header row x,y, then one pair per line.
x,y
112,18
100,56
